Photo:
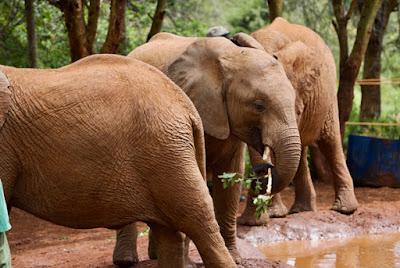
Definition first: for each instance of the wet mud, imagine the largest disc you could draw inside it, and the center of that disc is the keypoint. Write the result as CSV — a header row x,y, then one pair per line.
x,y
37,243
362,251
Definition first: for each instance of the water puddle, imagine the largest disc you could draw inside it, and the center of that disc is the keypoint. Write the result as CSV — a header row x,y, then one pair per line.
x,y
373,251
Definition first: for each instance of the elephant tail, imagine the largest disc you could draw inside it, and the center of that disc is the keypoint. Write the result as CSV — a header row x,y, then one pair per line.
x,y
199,144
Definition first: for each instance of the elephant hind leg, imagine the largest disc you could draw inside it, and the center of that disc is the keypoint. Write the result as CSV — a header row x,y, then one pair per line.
x,y
305,196
331,146
189,209
125,252
170,246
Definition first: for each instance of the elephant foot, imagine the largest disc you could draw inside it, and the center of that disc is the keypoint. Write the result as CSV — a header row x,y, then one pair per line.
x,y
346,202
123,257
235,255
125,261
249,218
277,211
303,206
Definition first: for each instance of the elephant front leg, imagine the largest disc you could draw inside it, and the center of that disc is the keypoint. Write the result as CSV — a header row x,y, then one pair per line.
x,y
331,146
226,203
248,216
125,252
277,209
305,197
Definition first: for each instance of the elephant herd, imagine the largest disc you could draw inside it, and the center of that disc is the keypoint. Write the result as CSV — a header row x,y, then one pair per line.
x,y
110,140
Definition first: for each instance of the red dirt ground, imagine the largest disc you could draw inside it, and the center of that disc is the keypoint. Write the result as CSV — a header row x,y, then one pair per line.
x,y
37,243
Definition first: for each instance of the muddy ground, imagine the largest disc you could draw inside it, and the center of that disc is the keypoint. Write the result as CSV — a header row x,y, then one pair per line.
x,y
36,243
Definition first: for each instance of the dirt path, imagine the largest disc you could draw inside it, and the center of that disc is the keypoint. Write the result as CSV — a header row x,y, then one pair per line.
x,y
36,243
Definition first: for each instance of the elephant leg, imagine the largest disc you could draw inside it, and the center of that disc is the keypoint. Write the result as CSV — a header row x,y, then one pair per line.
x,y
170,247
125,252
248,216
152,248
277,209
226,201
226,204
186,205
305,197
331,146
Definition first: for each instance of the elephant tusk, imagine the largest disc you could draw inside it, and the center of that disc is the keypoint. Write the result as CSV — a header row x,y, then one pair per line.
x,y
267,157
269,185
267,154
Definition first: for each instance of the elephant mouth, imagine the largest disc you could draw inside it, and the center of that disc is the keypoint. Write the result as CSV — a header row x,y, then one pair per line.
x,y
267,156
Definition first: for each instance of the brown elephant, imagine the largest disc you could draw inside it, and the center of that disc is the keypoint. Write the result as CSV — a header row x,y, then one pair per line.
x,y
242,95
91,145
311,69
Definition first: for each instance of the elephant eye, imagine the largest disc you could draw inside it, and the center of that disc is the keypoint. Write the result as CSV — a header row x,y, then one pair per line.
x,y
275,56
259,105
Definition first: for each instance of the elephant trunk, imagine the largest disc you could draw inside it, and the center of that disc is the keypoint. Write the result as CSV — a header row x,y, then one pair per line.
x,y
287,152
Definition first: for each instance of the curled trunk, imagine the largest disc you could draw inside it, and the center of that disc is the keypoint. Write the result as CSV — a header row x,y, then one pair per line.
x,y
287,152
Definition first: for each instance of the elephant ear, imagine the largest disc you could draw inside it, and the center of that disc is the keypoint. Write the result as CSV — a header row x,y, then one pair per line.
x,y
245,40
5,97
199,72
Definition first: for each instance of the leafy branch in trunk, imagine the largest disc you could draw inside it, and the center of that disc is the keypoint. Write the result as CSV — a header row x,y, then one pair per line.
x,y
262,201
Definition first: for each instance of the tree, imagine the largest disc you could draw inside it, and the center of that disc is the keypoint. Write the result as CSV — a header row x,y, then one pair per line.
x,y
158,18
30,27
275,9
116,27
371,94
350,63
82,35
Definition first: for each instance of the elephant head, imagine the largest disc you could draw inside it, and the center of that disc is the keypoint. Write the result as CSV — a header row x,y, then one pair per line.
x,y
242,91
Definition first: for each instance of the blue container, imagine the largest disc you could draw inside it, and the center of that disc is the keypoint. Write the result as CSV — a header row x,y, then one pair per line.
x,y
374,161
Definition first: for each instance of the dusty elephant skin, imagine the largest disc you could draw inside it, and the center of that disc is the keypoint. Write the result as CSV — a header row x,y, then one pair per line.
x,y
242,95
91,145
310,67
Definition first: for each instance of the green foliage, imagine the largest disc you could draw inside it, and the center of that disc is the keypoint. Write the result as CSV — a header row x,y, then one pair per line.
x,y
262,202
193,18
247,16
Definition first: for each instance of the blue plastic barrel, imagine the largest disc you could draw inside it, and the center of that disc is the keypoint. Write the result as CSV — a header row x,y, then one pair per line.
x,y
374,161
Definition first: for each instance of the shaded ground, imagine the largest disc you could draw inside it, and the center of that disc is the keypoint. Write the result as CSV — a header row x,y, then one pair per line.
x,y
36,243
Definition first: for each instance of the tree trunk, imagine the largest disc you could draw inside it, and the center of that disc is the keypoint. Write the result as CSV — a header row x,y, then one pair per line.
x,y
275,9
74,20
371,94
116,27
91,28
158,18
350,64
30,27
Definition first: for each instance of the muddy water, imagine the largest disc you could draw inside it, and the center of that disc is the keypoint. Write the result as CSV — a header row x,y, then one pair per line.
x,y
375,251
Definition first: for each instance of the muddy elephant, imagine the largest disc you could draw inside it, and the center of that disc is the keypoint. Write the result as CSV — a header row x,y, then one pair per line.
x,y
91,145
311,69
242,95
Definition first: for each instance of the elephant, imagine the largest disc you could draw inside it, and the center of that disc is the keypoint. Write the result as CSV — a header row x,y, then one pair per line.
x,y
310,67
243,96
90,145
